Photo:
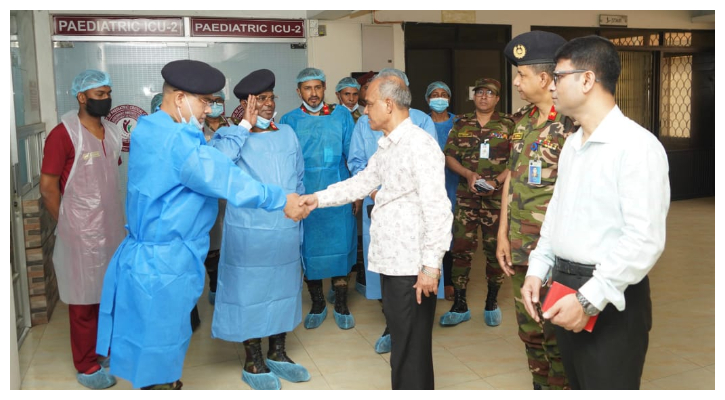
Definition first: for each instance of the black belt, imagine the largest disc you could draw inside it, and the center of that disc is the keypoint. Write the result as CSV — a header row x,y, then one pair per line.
x,y
573,268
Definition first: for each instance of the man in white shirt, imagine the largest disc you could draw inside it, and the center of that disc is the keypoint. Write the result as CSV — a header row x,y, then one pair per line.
x,y
410,226
605,225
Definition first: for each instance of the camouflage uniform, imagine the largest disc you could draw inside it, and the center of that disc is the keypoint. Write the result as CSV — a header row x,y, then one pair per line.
x,y
527,205
471,211
357,114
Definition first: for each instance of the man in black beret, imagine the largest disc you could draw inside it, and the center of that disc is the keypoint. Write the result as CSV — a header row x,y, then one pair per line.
x,y
536,142
259,293
157,273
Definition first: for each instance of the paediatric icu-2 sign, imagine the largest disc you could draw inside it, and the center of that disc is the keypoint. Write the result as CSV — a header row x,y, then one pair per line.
x,y
118,26
254,28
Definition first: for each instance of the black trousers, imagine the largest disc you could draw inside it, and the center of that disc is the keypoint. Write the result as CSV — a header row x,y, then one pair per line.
x,y
611,356
411,333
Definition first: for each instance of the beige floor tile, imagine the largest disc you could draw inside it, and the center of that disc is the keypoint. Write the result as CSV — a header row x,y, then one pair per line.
x,y
334,357
661,363
517,380
366,377
478,384
698,379
492,358
449,370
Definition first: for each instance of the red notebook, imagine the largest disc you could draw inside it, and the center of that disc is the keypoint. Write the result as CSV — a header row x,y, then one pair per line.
x,y
557,291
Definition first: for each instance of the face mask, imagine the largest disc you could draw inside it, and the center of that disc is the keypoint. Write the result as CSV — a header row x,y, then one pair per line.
x,y
263,123
192,119
216,110
438,104
98,108
353,108
313,110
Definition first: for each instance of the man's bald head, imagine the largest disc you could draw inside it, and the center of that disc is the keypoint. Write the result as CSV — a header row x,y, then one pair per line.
x,y
393,88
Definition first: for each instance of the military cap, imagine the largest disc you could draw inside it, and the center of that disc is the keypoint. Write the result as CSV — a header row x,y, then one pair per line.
x,y
363,79
193,76
535,47
259,81
488,83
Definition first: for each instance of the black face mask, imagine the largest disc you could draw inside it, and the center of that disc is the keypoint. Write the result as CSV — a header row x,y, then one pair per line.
x,y
98,108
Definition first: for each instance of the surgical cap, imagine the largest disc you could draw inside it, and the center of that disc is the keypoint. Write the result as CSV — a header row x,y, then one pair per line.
x,y
347,82
156,102
90,79
220,94
437,85
395,72
310,74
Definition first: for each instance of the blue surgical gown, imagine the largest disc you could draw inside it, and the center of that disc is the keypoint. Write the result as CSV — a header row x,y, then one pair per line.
x,y
443,129
330,243
363,145
259,290
157,273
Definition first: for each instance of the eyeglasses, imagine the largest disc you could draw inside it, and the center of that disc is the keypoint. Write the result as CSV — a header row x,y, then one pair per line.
x,y
206,102
263,99
559,74
484,92
217,103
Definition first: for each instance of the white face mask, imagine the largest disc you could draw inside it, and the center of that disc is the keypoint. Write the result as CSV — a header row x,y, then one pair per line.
x,y
192,119
313,109
353,108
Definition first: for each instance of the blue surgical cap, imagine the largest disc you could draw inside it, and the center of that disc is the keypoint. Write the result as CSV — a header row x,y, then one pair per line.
x,y
156,102
220,94
347,82
90,79
310,74
437,85
394,72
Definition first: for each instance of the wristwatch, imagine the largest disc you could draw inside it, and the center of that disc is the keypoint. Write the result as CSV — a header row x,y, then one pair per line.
x,y
588,307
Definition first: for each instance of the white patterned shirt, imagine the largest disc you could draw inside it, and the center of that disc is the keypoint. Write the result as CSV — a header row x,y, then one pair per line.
x,y
411,221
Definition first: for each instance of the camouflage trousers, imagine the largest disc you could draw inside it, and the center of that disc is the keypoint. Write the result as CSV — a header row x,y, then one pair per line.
x,y
539,338
466,222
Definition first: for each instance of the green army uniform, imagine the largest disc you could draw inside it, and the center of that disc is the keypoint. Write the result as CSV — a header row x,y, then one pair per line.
x,y
357,114
471,210
527,203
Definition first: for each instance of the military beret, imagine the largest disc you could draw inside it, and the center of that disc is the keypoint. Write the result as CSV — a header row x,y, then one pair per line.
x,y
363,79
488,83
193,76
535,47
259,81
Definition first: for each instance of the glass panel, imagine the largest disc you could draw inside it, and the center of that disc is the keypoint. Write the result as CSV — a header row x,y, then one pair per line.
x,y
24,69
675,101
678,39
634,87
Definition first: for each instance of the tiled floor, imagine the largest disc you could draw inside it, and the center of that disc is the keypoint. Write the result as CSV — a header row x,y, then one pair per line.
x,y
470,356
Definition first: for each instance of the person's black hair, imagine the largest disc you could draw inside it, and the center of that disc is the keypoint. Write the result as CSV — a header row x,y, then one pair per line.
x,y
596,54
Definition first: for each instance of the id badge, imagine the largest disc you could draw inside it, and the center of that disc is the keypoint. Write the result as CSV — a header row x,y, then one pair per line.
x,y
484,150
535,172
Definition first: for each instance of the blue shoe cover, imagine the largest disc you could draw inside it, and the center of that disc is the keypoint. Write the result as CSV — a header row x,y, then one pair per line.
x,y
331,296
100,379
212,297
360,288
493,317
383,344
268,381
454,318
105,362
312,321
344,321
288,371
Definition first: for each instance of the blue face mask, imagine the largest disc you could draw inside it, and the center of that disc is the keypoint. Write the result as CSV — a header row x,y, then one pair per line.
x,y
216,110
262,123
353,108
438,104
192,119
313,110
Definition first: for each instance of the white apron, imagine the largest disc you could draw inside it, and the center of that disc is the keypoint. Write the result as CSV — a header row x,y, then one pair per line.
x,y
90,219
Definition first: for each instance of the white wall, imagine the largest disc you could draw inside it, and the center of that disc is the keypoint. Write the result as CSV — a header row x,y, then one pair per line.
x,y
337,53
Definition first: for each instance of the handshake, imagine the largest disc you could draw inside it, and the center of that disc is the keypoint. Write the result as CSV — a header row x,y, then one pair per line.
x,y
299,207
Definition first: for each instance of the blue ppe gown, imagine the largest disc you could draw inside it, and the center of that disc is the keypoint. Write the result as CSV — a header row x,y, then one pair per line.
x,y
259,290
330,234
157,273
443,129
363,145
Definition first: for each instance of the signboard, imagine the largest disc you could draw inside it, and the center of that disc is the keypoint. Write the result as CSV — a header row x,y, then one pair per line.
x,y
118,26
612,20
247,28
125,117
